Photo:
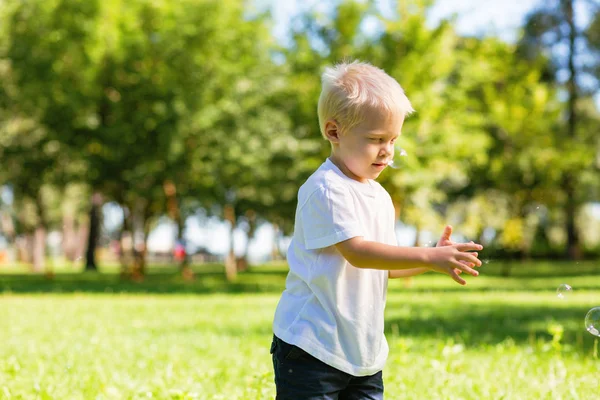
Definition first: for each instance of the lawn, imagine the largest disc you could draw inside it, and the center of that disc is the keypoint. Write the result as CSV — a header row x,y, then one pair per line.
x,y
92,336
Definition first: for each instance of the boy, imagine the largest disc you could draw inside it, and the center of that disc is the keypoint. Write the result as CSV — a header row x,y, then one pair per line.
x,y
328,339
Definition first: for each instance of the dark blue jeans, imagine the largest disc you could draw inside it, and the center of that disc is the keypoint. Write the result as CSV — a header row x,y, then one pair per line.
x,y
300,376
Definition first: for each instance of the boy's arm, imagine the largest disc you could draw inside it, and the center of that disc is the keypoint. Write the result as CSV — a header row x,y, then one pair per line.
x,y
405,273
367,254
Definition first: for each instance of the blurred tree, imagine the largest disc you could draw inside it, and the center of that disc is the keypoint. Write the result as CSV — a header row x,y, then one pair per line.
x,y
46,70
245,140
125,77
166,107
29,164
553,30
48,47
521,115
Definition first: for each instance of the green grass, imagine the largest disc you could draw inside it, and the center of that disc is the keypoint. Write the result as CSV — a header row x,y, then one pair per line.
x,y
93,336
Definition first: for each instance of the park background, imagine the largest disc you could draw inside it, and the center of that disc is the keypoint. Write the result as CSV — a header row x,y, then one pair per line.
x,y
150,154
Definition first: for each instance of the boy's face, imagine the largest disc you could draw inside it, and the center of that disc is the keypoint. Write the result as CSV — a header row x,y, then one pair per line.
x,y
364,151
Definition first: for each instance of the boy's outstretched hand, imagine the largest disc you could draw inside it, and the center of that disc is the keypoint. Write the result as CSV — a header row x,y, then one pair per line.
x,y
467,264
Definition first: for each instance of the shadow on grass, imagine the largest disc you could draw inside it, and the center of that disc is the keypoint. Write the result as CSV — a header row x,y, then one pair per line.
x,y
495,324
162,281
271,279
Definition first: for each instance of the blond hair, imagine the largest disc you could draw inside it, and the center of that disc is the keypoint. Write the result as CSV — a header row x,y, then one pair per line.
x,y
348,88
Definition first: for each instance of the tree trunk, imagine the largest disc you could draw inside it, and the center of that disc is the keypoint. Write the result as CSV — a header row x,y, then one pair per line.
x,y
573,250
184,263
242,263
39,246
25,251
573,243
275,250
174,212
140,250
125,242
230,263
93,233
139,263
69,241
39,249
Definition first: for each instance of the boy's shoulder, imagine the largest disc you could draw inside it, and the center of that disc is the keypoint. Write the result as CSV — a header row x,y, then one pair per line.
x,y
323,178
328,176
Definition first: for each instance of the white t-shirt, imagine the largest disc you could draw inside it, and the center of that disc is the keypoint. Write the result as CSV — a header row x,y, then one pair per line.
x,y
329,308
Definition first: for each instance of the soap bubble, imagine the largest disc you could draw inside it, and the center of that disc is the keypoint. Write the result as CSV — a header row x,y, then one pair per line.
x,y
563,290
396,162
592,321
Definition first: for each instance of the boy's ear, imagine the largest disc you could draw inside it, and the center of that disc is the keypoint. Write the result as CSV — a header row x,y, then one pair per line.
x,y
332,131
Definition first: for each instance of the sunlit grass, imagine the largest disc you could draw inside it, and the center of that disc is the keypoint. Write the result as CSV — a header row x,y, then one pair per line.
x,y
93,336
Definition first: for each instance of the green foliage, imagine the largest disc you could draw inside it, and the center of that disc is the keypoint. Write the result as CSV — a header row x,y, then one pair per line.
x,y
553,32
138,93
123,97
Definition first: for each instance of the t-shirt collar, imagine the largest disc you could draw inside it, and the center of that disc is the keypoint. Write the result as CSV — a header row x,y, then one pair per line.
x,y
367,188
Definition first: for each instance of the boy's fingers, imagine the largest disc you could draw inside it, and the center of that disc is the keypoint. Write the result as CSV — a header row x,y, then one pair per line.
x,y
447,232
457,278
470,258
469,247
467,269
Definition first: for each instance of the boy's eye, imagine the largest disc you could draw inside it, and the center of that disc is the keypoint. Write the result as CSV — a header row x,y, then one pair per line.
x,y
382,140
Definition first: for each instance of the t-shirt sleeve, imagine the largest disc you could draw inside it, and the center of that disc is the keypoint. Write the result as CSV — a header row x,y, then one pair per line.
x,y
329,217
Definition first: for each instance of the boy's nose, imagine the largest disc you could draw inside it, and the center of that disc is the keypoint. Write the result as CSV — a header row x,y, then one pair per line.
x,y
388,149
